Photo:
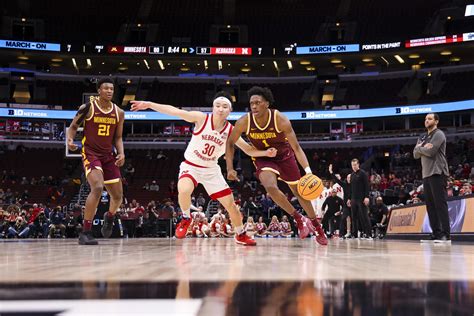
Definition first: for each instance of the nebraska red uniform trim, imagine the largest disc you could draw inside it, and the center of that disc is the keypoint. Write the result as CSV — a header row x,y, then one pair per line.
x,y
220,194
212,125
193,164
190,177
207,145
202,127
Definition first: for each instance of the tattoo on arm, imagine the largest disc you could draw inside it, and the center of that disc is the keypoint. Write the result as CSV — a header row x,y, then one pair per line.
x,y
82,113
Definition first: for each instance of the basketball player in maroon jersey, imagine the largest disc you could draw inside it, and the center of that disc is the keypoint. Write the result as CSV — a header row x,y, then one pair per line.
x,y
103,127
206,146
267,128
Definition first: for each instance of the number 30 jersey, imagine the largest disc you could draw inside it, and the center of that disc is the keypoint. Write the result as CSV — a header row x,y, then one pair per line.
x,y
268,136
99,131
207,145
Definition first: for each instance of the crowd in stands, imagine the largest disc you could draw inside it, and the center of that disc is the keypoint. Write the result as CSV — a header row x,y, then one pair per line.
x,y
401,184
39,221
52,189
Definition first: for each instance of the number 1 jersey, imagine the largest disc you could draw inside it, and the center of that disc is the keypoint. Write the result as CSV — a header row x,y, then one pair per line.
x,y
268,136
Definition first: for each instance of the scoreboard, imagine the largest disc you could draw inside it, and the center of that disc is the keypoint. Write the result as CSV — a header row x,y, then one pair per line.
x,y
241,51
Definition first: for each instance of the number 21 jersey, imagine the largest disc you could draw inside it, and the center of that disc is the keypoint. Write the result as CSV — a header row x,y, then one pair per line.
x,y
99,131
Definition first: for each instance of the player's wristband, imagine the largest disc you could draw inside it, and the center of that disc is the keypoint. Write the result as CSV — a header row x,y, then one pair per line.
x,y
308,170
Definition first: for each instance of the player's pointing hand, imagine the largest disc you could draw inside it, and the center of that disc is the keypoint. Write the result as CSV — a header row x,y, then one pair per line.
x,y
140,105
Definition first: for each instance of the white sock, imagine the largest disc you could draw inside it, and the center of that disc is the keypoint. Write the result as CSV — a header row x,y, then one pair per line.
x,y
239,230
187,214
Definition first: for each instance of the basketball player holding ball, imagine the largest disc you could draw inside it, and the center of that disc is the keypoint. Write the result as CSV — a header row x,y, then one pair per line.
x,y
267,128
207,144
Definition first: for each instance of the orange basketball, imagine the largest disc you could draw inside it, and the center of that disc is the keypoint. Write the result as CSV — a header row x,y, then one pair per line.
x,y
310,187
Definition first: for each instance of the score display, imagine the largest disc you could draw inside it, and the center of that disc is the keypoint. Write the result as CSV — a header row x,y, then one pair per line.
x,y
284,50
240,51
433,41
181,50
86,48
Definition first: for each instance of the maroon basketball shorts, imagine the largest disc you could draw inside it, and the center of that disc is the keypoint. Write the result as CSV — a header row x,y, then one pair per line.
x,y
287,169
106,164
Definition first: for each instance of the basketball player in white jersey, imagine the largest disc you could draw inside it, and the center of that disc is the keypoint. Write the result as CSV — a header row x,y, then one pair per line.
x,y
207,144
318,202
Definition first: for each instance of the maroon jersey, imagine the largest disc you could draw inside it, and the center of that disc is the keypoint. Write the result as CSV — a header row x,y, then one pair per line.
x,y
268,136
99,131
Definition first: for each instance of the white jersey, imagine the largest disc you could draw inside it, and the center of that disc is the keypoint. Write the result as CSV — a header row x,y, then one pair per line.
x,y
198,215
207,145
215,216
318,203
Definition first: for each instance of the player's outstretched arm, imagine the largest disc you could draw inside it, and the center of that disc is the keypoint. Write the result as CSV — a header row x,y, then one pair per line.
x,y
254,152
286,128
238,129
188,116
77,121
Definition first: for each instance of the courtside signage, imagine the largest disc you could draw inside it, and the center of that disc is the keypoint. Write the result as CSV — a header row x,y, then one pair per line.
x,y
53,47
381,46
327,49
296,115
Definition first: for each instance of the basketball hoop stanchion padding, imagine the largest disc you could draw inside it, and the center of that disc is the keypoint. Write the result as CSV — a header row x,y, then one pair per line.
x,y
77,141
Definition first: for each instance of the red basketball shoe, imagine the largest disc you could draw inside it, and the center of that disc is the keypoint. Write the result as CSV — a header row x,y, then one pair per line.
x,y
244,239
320,235
304,227
182,228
